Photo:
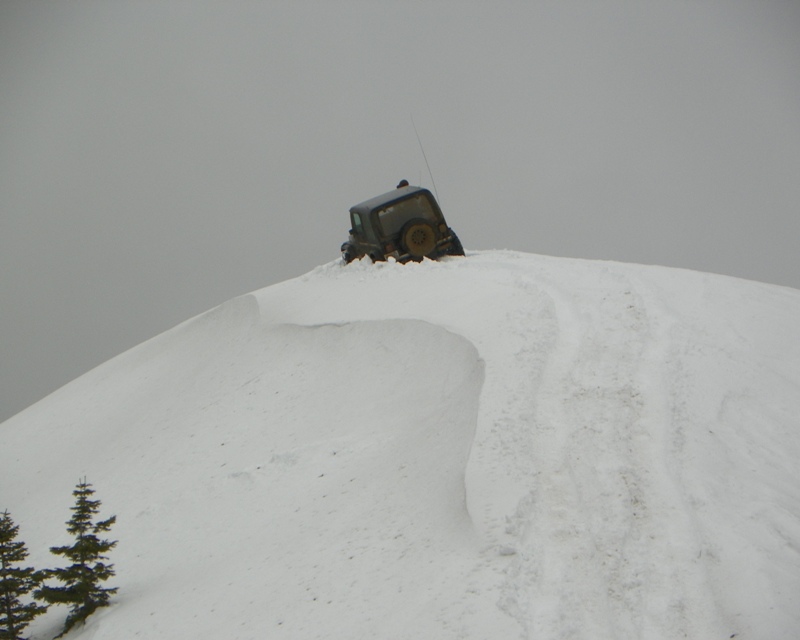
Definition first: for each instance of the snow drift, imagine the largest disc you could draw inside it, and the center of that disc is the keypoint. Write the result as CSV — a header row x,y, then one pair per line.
x,y
498,446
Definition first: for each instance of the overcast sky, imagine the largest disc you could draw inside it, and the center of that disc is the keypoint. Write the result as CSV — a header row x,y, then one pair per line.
x,y
160,158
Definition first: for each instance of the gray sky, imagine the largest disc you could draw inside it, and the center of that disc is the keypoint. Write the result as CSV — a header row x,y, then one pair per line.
x,y
159,158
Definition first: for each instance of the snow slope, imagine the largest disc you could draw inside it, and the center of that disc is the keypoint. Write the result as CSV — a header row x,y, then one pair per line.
x,y
499,446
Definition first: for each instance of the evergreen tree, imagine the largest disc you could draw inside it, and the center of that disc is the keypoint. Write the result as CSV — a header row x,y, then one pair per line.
x,y
15,582
81,588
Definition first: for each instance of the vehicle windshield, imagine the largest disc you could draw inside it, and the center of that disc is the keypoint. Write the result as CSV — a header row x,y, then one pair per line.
x,y
392,218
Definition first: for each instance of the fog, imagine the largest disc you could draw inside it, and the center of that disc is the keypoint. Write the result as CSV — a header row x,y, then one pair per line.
x,y
157,159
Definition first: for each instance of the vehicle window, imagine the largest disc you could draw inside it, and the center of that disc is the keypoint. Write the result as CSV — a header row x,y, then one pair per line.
x,y
358,229
394,217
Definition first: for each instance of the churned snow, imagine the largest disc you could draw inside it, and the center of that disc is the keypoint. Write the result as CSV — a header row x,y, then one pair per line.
x,y
494,447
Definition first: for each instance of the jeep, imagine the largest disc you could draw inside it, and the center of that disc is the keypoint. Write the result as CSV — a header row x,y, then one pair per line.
x,y
405,224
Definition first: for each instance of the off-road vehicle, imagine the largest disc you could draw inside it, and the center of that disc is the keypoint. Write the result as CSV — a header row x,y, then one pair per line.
x,y
406,224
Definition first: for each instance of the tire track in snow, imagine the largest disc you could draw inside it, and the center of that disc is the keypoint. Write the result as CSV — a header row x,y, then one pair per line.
x,y
603,527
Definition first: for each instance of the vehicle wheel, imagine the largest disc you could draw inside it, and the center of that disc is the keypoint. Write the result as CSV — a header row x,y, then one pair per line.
x,y
456,249
348,253
418,238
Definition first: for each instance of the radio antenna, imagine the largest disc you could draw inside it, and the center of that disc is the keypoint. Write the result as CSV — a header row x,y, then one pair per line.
x,y
421,148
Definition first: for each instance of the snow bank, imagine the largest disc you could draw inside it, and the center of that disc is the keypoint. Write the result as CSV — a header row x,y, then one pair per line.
x,y
497,446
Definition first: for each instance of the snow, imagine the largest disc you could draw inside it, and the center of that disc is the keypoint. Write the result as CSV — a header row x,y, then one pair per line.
x,y
498,446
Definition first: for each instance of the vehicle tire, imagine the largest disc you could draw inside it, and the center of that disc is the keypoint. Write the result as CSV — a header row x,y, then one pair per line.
x,y
456,249
418,238
348,253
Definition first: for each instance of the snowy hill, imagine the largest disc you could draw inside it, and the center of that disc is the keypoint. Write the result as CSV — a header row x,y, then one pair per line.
x,y
493,447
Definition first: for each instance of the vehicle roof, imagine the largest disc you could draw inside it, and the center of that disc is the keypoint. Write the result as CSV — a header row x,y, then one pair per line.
x,y
387,198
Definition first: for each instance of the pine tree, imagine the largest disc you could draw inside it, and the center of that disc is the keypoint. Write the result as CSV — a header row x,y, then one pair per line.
x,y
15,583
81,580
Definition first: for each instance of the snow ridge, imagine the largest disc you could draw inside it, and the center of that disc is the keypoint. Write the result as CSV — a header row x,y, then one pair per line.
x,y
498,446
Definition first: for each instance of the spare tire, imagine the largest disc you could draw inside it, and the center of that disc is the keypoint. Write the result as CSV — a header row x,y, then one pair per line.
x,y
418,238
